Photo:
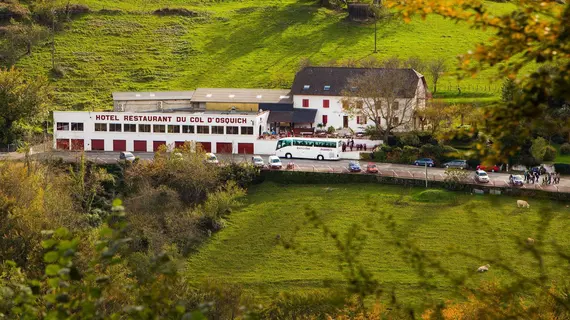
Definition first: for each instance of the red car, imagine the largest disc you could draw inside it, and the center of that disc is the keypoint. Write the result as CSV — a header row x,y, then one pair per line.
x,y
371,168
494,168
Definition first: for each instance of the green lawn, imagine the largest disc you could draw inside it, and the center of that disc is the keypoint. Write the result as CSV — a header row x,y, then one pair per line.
x,y
487,227
561,158
253,43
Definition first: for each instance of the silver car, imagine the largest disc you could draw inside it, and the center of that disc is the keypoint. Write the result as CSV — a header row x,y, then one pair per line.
x,y
126,156
257,161
457,164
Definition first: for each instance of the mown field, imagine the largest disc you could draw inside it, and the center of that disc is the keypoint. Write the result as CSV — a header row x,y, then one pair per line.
x,y
449,229
122,46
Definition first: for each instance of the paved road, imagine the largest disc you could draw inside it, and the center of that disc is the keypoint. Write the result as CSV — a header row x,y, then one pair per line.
x,y
386,169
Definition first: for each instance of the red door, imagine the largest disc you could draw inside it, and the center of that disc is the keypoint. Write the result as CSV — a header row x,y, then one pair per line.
x,y
245,148
157,144
119,145
139,145
62,144
206,146
98,144
223,147
77,144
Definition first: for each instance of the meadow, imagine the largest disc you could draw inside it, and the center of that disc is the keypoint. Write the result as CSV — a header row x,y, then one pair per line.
x,y
122,46
461,231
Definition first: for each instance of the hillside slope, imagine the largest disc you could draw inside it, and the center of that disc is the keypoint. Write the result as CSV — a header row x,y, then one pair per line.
x,y
122,46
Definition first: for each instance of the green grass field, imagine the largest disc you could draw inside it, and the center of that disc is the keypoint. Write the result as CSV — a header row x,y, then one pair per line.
x,y
561,158
253,43
486,227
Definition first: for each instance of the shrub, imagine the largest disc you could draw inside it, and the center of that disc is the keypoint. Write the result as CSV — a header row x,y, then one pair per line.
x,y
549,153
434,195
456,179
565,149
331,130
410,139
175,12
538,148
562,168
410,154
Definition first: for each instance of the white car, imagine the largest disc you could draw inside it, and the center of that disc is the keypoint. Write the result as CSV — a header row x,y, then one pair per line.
x,y
257,161
211,158
274,162
481,176
127,156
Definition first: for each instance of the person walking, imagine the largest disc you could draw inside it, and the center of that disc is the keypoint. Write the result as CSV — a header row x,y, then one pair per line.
x,y
343,147
364,145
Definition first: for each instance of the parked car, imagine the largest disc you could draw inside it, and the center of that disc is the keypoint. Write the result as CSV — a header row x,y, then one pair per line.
x,y
127,156
257,161
354,166
516,180
275,162
494,168
458,164
371,168
211,158
424,161
481,176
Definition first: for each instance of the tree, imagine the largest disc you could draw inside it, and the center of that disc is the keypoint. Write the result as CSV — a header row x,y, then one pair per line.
x,y
509,90
376,96
22,101
535,32
538,148
20,37
434,115
436,68
415,63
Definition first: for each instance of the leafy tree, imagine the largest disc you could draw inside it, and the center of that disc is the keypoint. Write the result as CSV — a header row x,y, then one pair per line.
x,y
509,90
538,148
534,32
22,101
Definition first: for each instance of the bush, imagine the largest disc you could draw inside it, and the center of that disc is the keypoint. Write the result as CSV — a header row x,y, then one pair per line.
x,y
562,168
410,154
434,195
456,179
565,149
549,153
410,139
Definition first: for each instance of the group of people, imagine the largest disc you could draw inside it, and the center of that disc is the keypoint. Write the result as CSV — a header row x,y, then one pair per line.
x,y
547,177
349,144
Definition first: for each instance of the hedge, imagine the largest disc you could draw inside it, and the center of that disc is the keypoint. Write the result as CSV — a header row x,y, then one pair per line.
x,y
562,168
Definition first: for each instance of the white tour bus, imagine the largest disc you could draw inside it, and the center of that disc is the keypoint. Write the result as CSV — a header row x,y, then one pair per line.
x,y
308,148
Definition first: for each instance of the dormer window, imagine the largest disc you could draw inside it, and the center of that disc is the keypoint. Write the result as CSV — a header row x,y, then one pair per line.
x,y
306,87
232,95
259,96
209,95
327,88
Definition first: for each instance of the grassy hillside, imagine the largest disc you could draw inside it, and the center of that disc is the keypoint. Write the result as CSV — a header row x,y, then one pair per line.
x,y
487,227
253,43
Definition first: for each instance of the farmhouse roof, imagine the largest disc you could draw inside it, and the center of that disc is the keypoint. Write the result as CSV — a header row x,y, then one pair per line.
x,y
228,95
155,95
332,81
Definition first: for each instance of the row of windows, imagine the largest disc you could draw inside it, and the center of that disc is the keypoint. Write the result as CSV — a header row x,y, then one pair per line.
x,y
161,128
326,103
64,126
359,104
305,143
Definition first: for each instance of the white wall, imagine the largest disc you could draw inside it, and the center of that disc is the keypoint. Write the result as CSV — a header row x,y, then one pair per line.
x,y
335,112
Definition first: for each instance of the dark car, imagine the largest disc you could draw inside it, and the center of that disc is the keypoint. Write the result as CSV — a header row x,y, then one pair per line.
x,y
424,161
354,167
457,164
516,180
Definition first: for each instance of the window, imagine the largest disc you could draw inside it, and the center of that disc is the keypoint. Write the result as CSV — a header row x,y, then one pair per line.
x,y
203,129
283,144
247,130
325,119
173,129
144,127
305,103
187,129
115,127
326,103
100,127
395,120
361,120
217,130
306,87
130,127
159,128
62,126
345,104
327,88
232,130
77,126
359,104
395,106
325,144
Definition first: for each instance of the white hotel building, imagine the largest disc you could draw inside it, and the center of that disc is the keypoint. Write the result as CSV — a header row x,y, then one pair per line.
x,y
221,120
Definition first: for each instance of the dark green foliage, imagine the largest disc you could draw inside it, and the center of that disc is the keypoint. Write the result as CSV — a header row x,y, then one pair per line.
x,y
435,196
244,174
565,149
562,168
549,153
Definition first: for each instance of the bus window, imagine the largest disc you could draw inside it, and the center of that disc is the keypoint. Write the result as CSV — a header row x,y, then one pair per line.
x,y
283,144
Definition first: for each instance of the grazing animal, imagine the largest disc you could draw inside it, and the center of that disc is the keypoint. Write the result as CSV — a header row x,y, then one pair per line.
x,y
522,204
484,268
530,241
278,237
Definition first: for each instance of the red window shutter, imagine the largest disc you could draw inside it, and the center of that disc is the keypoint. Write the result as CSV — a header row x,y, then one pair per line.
x,y
326,103
305,103
357,119
325,119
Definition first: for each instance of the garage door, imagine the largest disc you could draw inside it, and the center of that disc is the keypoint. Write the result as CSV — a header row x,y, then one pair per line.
x,y
206,146
97,144
245,148
139,145
62,144
223,147
179,144
157,144
77,144
119,145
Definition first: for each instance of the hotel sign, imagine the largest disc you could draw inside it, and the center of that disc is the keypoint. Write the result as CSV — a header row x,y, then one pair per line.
x,y
170,119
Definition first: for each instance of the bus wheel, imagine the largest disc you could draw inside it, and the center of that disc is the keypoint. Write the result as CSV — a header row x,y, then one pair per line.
x,y
320,157
288,156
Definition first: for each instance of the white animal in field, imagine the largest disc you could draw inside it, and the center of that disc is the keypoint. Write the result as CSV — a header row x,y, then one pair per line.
x,y
522,204
530,241
484,268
